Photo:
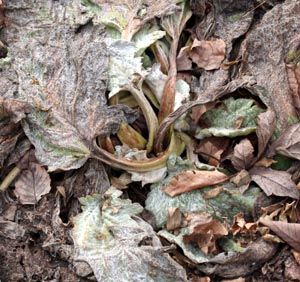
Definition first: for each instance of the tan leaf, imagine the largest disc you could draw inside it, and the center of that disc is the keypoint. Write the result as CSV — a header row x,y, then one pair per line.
x,y
243,155
32,184
182,61
238,123
213,193
199,111
211,149
289,232
174,219
208,54
242,180
193,179
265,162
274,182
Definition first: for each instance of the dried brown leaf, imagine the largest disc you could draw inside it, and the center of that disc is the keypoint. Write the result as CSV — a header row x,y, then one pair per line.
x,y
288,143
199,111
266,123
32,184
243,155
1,14
208,54
174,219
289,232
204,231
193,179
183,62
274,182
265,162
242,180
293,76
211,149
213,193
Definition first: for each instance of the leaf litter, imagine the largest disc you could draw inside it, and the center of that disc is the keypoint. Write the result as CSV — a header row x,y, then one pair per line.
x,y
170,101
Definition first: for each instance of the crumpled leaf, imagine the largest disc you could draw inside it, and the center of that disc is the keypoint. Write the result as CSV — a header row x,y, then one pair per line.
x,y
289,232
183,62
204,231
220,121
274,182
242,155
288,143
118,245
208,54
193,179
32,184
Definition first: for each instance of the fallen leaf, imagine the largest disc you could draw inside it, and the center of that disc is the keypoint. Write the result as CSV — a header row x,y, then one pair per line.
x,y
183,62
11,229
199,111
242,180
266,123
289,232
204,231
211,149
213,193
288,143
193,179
265,162
119,245
1,14
174,219
208,54
274,182
32,184
243,155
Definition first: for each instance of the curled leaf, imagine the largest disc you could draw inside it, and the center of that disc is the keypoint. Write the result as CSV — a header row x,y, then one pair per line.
x,y
32,184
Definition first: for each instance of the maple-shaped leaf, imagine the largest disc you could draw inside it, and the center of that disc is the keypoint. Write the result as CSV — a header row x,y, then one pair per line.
x,y
118,245
288,143
274,182
242,155
288,232
129,16
221,120
193,179
32,184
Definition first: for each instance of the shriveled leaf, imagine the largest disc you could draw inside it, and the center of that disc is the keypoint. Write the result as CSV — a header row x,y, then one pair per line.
x,y
266,162
288,143
212,193
220,121
243,155
183,62
289,232
193,179
118,245
208,54
274,182
32,184
211,149
266,123
174,219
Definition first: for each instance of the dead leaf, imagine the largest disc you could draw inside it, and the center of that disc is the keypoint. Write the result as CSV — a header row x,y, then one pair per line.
x,y
240,226
238,123
32,184
213,193
274,182
204,231
242,180
265,162
183,62
174,219
208,54
1,14
288,143
193,179
289,232
266,123
198,111
211,149
243,155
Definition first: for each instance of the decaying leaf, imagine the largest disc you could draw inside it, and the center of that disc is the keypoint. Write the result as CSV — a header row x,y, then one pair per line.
x,y
204,231
32,184
288,143
265,162
243,155
174,219
208,54
266,123
220,120
274,182
183,62
118,245
242,180
289,232
193,179
241,226
212,193
211,149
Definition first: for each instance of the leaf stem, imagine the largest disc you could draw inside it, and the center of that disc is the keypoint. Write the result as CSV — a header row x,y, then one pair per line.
x,y
10,178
